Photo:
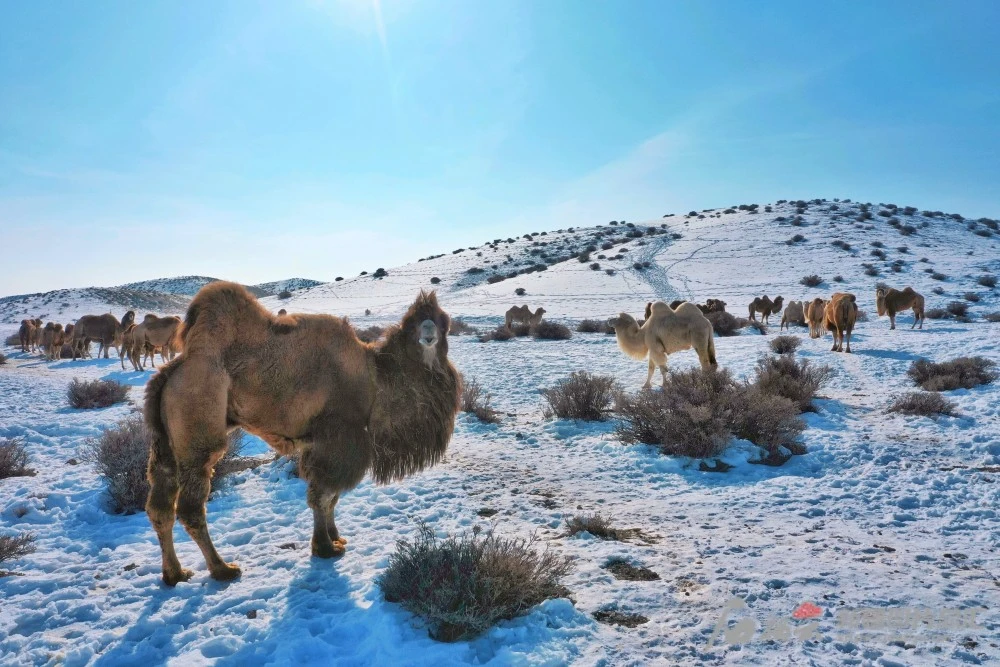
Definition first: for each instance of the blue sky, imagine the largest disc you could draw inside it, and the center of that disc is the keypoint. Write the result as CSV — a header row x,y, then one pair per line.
x,y
257,141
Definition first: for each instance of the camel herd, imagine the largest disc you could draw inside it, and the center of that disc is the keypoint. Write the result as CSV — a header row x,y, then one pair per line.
x,y
138,342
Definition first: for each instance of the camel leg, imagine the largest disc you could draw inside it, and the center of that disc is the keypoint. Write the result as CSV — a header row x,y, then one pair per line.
x,y
892,321
848,333
331,525
834,348
195,484
161,510
325,544
649,376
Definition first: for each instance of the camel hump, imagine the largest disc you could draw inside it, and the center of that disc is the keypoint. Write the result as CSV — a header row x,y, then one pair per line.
x,y
221,307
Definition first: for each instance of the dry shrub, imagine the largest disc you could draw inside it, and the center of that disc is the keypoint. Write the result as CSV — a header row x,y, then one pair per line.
x,y
811,281
582,396
767,420
370,334
547,330
726,324
594,326
96,393
461,328
961,373
795,379
462,586
987,281
500,333
14,458
15,546
3,358
971,297
477,401
785,344
599,526
13,341
937,314
993,317
924,404
958,308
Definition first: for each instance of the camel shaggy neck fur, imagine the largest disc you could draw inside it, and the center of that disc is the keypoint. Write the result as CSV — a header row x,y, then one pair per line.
x,y
303,384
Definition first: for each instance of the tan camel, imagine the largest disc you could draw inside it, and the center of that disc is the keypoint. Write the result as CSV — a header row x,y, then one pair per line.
x,y
52,340
765,307
26,335
891,301
794,314
815,313
664,332
155,333
105,329
840,315
304,384
523,315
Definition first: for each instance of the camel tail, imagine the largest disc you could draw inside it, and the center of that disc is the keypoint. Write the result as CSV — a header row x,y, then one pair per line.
x,y
159,441
711,352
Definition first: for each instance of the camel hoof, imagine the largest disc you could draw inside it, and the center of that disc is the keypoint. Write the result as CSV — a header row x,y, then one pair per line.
x,y
227,572
329,550
173,578
340,541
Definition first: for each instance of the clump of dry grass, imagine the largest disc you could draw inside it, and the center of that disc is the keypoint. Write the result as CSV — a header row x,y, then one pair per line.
x,y
460,328
462,586
548,330
370,334
581,396
924,404
795,379
594,326
13,547
14,458
599,526
961,373
785,344
476,401
85,395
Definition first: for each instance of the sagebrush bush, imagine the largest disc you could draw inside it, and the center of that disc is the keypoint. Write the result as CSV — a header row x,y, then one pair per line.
x,y
993,317
785,344
548,330
96,393
987,281
958,308
924,404
971,297
725,324
594,326
435,280
460,327
960,373
767,420
14,458
3,358
14,340
462,586
937,314
477,401
520,291
598,526
15,546
284,294
581,396
369,334
811,281
795,379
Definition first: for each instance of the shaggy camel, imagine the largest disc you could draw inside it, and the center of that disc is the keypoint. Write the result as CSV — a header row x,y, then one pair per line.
x,y
303,383
26,335
710,306
794,314
105,329
128,343
664,332
765,307
155,332
815,311
52,340
523,315
891,301
840,315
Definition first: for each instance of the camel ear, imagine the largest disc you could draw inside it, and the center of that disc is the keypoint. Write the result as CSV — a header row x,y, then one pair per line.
x,y
444,321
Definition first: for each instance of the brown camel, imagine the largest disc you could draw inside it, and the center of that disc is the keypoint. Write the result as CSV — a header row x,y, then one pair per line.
x,y
815,311
26,335
891,301
52,340
710,306
794,314
303,383
523,315
105,329
155,332
765,307
664,332
840,315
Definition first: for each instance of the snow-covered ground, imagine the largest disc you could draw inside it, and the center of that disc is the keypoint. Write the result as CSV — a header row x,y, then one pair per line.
x,y
883,512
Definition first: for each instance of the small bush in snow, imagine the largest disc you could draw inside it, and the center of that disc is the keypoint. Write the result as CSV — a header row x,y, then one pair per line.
x,y
924,404
477,402
581,396
14,458
369,334
796,380
3,359
435,280
520,291
724,324
958,308
15,546
993,317
284,294
961,373
971,297
460,328
938,290
987,281
785,344
594,326
812,281
598,526
462,586
937,314
96,393
938,276
547,330
121,455
500,333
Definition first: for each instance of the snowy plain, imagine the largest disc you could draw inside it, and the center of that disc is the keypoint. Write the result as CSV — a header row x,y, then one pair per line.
x,y
882,512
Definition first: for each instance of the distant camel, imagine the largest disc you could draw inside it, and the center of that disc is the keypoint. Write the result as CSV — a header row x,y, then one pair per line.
x,y
664,332
152,333
892,301
794,314
523,315
26,335
815,312
52,340
710,305
840,315
304,384
105,329
765,307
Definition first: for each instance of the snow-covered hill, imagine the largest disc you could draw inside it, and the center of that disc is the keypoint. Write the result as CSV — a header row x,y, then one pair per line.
x,y
894,517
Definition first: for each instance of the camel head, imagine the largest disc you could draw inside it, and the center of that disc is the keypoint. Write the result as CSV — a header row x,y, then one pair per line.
x,y
880,301
426,326
776,305
38,322
128,318
649,309
624,322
